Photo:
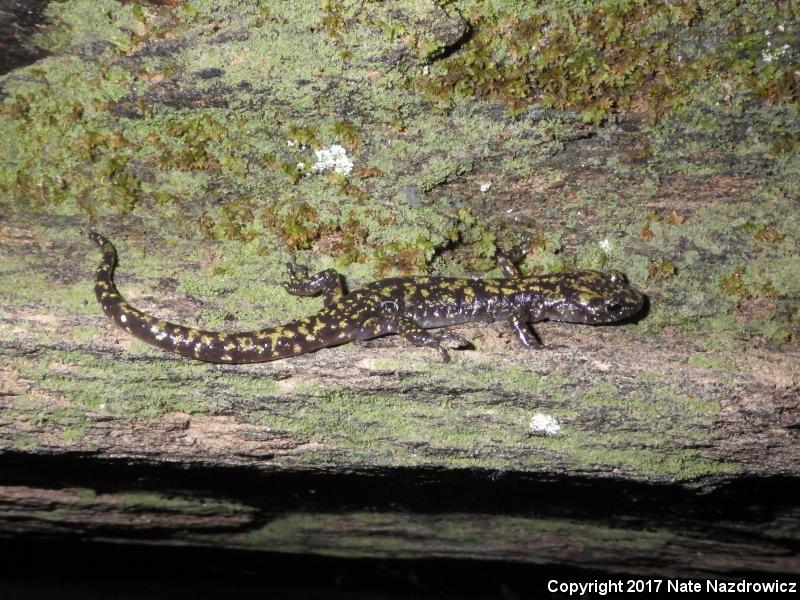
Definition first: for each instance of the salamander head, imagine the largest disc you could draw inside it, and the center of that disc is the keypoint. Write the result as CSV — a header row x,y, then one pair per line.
x,y
594,297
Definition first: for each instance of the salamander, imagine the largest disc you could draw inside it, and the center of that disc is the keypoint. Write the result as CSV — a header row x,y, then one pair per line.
x,y
407,306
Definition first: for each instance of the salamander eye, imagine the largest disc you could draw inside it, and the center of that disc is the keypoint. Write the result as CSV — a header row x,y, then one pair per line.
x,y
615,276
614,307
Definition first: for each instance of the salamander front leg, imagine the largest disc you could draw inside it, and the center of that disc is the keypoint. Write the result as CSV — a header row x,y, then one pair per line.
x,y
327,282
415,334
524,332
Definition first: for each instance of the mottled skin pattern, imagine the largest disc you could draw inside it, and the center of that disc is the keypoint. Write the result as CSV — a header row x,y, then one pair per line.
x,y
405,305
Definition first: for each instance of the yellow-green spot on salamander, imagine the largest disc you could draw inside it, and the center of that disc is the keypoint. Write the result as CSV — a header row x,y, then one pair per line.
x,y
404,305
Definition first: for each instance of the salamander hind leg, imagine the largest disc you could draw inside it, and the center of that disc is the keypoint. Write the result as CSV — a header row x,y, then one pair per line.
x,y
327,282
526,336
507,266
415,334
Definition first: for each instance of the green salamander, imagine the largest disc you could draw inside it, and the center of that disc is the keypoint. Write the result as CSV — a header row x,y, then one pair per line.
x,y
404,305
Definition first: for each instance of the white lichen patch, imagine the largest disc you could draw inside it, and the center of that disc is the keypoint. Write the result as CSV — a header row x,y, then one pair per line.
x,y
486,186
771,53
542,424
333,157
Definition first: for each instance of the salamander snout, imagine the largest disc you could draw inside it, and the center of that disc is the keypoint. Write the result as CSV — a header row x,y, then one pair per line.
x,y
596,297
619,300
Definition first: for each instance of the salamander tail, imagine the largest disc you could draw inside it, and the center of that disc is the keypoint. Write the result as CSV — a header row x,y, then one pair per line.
x,y
211,346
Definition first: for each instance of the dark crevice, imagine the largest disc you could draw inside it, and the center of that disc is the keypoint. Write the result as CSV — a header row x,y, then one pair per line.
x,y
153,562
721,512
89,570
19,20
460,43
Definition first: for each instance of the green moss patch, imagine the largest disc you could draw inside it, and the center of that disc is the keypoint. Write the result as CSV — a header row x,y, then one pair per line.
x,y
603,57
